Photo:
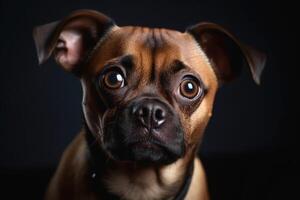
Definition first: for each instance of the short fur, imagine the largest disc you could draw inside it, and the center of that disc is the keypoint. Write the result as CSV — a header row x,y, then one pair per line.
x,y
86,43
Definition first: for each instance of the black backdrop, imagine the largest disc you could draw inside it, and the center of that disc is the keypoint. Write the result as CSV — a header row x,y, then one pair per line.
x,y
249,149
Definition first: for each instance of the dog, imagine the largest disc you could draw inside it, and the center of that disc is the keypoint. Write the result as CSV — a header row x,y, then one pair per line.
x,y
148,95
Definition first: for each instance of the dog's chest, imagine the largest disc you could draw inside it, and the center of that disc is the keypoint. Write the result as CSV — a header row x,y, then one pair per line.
x,y
144,184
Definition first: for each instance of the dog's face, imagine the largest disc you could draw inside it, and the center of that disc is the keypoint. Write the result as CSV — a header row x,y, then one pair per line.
x,y
148,93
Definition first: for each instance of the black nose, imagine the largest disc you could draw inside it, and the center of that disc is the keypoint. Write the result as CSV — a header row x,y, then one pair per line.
x,y
150,113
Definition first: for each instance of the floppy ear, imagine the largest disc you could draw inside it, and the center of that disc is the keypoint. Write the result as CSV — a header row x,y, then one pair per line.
x,y
226,53
71,39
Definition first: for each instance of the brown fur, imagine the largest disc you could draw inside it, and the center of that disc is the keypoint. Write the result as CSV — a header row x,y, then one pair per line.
x,y
153,50
71,178
73,169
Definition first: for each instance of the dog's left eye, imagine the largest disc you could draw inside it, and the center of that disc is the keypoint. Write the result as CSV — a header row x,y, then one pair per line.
x,y
113,80
189,88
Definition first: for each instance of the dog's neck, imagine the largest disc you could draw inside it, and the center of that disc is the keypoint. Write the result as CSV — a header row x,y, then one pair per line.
x,y
132,181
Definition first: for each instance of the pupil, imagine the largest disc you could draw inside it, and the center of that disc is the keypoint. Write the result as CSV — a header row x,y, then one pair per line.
x,y
115,78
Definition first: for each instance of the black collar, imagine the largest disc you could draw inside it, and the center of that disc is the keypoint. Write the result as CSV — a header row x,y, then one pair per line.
x,y
97,169
186,184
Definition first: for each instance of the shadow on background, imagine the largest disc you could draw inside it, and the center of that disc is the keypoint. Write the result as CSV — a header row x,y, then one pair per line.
x,y
249,149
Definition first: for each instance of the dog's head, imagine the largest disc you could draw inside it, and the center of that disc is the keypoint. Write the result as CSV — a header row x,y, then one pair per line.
x,y
147,93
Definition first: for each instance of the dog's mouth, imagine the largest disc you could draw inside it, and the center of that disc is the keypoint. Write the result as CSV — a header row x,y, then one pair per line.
x,y
142,140
139,148
153,146
145,151
144,145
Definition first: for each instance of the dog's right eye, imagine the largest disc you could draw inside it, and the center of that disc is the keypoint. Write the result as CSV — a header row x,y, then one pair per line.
x,y
189,88
113,80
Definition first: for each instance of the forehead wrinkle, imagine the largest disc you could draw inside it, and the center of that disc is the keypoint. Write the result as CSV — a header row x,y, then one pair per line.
x,y
162,51
145,48
168,50
153,49
160,56
138,46
177,66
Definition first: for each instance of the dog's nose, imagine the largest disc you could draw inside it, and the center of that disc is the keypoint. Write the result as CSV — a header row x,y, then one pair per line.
x,y
150,113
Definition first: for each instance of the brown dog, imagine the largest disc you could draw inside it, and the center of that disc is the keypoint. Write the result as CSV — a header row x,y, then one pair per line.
x,y
147,98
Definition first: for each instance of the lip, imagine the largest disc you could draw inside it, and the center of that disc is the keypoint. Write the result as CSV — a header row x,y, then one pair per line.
x,y
144,145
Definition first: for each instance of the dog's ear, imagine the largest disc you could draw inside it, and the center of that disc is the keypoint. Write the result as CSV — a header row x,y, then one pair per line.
x,y
226,53
71,39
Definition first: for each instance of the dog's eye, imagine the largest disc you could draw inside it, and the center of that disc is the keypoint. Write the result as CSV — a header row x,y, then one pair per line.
x,y
189,88
113,80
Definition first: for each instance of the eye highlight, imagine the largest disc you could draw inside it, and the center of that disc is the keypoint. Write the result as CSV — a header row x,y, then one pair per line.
x,y
113,79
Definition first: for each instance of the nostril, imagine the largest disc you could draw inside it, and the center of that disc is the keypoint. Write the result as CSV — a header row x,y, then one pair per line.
x,y
143,115
159,114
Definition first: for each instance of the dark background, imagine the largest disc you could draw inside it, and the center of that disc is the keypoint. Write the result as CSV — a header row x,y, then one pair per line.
x,y
249,150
